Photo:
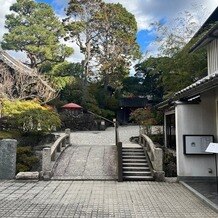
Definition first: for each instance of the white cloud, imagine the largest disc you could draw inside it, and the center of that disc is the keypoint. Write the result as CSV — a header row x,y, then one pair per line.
x,y
77,55
147,11
4,9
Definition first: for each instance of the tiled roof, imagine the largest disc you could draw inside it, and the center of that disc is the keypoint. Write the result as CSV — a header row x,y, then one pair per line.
x,y
202,85
209,35
199,84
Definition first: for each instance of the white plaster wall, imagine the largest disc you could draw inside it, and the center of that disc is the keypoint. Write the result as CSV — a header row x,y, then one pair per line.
x,y
212,56
196,119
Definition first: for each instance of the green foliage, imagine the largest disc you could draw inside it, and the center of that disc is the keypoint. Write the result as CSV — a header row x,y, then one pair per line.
x,y
72,92
82,122
133,86
67,69
9,135
143,117
115,45
11,108
179,71
34,29
176,66
106,34
82,28
30,116
159,138
60,82
64,74
25,159
169,164
107,114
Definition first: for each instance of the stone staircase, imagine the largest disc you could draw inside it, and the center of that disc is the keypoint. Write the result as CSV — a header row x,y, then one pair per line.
x,y
135,165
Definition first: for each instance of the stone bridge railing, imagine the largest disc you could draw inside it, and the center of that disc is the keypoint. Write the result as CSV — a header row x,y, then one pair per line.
x,y
155,156
50,155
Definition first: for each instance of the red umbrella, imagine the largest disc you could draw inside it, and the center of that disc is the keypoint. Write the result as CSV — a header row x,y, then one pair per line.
x,y
72,106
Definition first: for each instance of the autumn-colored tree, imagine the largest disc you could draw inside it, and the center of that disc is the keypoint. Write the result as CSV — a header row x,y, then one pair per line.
x,y
144,118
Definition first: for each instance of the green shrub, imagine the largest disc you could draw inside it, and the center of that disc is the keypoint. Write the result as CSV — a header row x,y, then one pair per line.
x,y
30,116
25,159
9,135
144,117
159,138
169,164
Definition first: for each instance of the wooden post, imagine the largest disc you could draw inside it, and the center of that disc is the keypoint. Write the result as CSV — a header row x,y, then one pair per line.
x,y
120,162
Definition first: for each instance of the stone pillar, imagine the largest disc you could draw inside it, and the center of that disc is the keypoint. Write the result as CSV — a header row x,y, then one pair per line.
x,y
158,159
8,150
102,126
67,132
46,163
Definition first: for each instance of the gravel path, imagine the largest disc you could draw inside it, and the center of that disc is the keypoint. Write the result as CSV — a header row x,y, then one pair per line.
x,y
106,137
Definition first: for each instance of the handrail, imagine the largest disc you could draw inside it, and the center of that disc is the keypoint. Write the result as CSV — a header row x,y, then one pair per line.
x,y
101,117
155,154
49,155
56,147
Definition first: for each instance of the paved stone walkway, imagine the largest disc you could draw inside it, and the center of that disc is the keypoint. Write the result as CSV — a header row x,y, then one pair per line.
x,y
87,162
99,199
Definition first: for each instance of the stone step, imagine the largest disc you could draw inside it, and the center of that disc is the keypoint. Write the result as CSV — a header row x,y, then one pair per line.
x,y
133,153
138,178
128,147
136,168
134,161
132,149
136,173
131,164
134,157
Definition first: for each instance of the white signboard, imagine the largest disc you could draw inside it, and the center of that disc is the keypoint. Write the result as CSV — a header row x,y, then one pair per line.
x,y
196,144
212,148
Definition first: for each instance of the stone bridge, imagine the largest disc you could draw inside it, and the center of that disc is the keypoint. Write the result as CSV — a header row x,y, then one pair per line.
x,y
93,155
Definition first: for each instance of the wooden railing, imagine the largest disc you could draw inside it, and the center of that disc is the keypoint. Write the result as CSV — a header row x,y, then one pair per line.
x,y
155,155
119,153
50,155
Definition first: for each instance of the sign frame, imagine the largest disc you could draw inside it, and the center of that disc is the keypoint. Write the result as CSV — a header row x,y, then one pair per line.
x,y
197,135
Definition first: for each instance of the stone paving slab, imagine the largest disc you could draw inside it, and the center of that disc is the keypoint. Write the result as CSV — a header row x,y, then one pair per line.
x,y
99,199
87,163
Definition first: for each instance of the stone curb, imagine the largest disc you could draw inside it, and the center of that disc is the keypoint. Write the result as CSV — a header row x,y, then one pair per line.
x,y
200,196
27,176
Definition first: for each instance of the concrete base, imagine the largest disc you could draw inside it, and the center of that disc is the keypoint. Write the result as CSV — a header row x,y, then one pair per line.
x,y
46,175
28,175
197,178
159,176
